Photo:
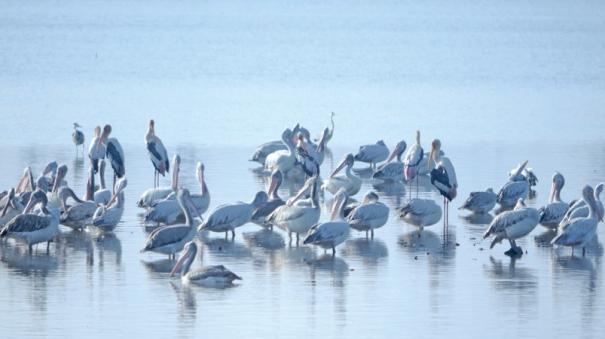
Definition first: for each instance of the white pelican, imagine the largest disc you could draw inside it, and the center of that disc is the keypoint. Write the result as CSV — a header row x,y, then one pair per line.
x,y
392,170
372,153
168,210
34,228
517,188
115,154
78,137
212,276
526,174
580,209
157,154
107,217
332,233
297,216
350,182
103,194
283,160
152,195
480,202
552,214
171,239
96,150
580,230
310,157
262,212
411,161
80,213
262,151
513,225
443,178
227,218
420,212
368,216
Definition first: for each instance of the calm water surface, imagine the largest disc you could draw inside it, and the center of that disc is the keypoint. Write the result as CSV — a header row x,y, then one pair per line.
x,y
498,83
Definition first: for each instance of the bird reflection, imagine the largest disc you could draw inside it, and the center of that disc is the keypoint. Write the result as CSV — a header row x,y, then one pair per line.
x,y
371,250
478,218
159,266
107,242
265,238
19,259
543,239
394,192
186,301
222,247
337,266
509,277
420,241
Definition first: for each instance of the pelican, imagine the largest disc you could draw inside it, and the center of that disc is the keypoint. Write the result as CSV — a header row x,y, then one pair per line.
x,y
332,233
115,154
79,214
310,157
480,202
168,210
262,212
580,210
526,174
392,170
171,239
262,151
213,276
103,194
78,136
516,188
97,150
513,225
282,160
350,182
373,153
411,161
552,214
420,212
107,217
157,154
297,216
581,230
152,195
443,178
227,218
34,228
371,214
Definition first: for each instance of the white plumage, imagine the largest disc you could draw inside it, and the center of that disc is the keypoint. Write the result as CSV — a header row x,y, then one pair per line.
x,y
227,218
349,182
370,215
372,153
480,202
211,276
513,225
552,214
332,233
282,160
421,212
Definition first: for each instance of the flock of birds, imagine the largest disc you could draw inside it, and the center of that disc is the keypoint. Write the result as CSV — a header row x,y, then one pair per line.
x,y
32,211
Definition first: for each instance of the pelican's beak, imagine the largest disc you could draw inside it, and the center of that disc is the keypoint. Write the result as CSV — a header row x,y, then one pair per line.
x,y
553,187
179,263
272,186
431,157
30,205
393,155
24,183
113,198
521,168
300,193
175,177
342,164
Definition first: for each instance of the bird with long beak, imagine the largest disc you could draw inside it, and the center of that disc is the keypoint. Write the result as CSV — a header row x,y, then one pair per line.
x,y
106,218
298,216
97,150
349,182
153,195
513,225
443,178
78,137
552,214
392,170
580,231
579,209
171,239
334,232
369,215
210,276
412,160
262,212
516,188
33,227
372,153
157,154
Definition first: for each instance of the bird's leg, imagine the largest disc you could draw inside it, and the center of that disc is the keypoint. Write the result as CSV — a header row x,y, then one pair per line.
x,y
372,233
47,247
30,249
113,187
583,251
297,239
572,250
366,234
333,251
232,234
417,188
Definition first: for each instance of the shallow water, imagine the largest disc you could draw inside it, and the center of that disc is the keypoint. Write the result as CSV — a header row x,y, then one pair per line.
x,y
497,83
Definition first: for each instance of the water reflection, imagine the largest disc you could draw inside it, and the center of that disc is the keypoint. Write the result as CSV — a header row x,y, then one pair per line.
x,y
164,265
267,239
370,250
478,218
336,266
509,277
19,259
225,248
543,239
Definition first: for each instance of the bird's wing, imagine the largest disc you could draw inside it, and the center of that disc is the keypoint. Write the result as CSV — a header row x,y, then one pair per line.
x,y
166,235
217,271
115,154
368,212
27,223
